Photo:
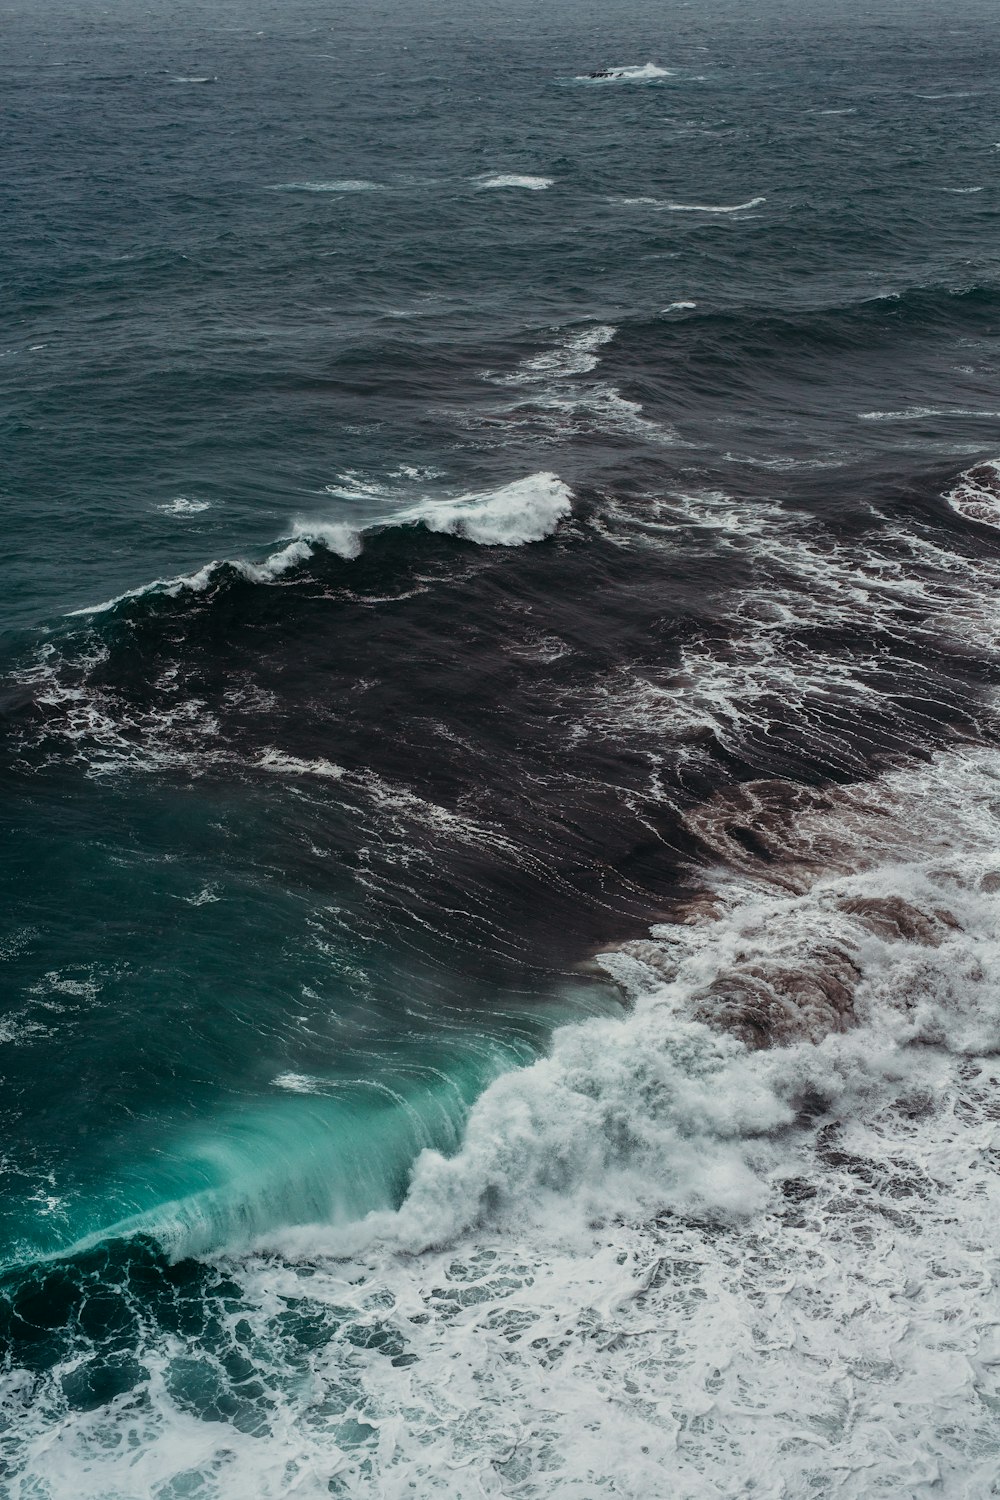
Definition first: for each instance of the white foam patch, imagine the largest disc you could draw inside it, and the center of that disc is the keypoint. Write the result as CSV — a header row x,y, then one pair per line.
x,y
207,896
559,404
515,180
294,765
749,667
184,506
976,496
572,354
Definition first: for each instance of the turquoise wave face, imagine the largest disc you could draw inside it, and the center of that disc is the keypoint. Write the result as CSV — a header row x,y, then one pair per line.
x,y
212,1030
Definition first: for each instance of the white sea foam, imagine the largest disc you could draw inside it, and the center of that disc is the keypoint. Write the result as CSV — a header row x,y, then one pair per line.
x,y
648,1236
976,496
559,403
572,354
725,692
514,180
294,765
207,896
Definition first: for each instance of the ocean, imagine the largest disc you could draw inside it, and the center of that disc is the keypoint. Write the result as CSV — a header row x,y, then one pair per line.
x,y
500,750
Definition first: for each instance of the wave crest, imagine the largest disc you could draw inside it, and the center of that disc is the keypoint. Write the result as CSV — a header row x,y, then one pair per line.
x,y
526,510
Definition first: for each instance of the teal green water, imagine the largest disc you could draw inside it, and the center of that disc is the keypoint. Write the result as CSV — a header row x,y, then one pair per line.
x,y
236,1048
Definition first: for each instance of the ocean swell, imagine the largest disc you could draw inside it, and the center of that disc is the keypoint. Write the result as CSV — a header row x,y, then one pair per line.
x,y
526,510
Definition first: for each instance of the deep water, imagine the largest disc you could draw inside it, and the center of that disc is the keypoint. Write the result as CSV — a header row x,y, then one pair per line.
x,y
499,750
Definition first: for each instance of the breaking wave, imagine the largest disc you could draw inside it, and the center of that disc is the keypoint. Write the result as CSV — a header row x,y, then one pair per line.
x,y
526,510
631,73
736,1226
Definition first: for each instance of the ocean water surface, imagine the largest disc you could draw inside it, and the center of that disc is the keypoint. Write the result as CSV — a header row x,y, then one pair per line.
x,y
500,750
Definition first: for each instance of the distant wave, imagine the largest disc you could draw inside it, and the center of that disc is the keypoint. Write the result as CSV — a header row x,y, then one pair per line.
x,y
527,510
336,185
513,180
666,205
914,413
713,208
182,506
631,73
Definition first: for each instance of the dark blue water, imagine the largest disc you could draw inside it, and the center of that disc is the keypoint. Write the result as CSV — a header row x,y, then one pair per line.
x,y
457,504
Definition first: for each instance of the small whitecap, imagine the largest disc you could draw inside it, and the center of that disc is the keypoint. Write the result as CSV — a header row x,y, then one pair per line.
x,y
630,73
183,506
513,180
917,413
292,765
713,208
336,185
